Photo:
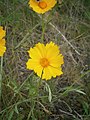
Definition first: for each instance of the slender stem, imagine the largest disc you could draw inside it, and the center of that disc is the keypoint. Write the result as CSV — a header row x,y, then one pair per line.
x,y
1,66
43,29
39,84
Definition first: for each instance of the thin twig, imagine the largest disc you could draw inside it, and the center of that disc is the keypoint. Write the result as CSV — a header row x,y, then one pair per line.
x,y
23,40
67,113
78,115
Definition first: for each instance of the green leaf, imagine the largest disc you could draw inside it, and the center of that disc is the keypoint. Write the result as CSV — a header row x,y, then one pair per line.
x,y
11,115
49,92
79,91
16,109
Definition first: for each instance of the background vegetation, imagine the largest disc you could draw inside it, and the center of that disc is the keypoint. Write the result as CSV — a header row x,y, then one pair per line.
x,y
64,98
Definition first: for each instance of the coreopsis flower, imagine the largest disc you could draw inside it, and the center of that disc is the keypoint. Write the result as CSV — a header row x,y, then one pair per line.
x,y
42,6
2,41
45,60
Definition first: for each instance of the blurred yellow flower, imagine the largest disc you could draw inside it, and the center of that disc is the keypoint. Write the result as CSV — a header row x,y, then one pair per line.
x,y
42,6
2,41
46,60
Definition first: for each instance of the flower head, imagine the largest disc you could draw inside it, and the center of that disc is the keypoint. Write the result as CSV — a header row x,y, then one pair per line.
x,y
42,6
2,41
46,60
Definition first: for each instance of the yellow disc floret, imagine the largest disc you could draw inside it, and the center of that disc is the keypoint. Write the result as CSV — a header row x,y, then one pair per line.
x,y
42,5
44,62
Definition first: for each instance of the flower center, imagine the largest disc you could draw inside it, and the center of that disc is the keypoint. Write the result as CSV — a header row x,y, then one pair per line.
x,y
42,5
44,62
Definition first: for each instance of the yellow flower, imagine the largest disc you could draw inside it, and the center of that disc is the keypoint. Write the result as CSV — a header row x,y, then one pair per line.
x,y
42,6
46,60
2,41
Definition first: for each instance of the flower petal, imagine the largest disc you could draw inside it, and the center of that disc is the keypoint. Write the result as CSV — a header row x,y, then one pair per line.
x,y
55,71
2,42
57,61
2,50
37,52
38,70
51,72
2,32
34,65
31,64
52,50
34,53
46,74
42,49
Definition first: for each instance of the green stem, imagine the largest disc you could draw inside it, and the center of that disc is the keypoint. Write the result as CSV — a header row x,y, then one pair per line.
x,y
1,66
39,84
43,29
